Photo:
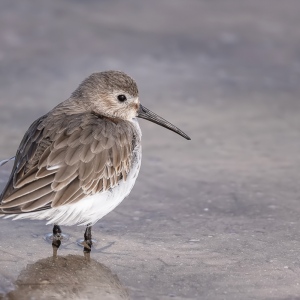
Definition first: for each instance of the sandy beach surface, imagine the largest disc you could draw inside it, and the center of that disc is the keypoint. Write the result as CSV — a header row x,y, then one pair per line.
x,y
212,218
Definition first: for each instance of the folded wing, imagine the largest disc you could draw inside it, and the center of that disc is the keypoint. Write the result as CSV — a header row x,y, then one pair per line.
x,y
66,159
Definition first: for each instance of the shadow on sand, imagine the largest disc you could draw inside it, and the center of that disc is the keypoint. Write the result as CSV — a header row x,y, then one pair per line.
x,y
67,277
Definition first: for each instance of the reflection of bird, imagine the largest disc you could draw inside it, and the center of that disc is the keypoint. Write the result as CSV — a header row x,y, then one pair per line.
x,y
79,161
70,277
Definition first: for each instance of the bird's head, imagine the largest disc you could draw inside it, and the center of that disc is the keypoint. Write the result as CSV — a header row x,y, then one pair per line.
x,y
115,94
111,93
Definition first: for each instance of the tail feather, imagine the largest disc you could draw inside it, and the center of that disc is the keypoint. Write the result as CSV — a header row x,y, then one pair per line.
x,y
3,162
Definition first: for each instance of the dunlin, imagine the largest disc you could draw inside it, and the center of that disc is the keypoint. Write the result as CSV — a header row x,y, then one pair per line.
x,y
79,161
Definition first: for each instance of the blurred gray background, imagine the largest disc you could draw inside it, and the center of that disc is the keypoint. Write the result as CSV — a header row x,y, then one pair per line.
x,y
212,218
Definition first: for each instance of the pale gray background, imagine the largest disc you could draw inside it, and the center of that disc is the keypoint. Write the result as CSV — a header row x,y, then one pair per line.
x,y
212,218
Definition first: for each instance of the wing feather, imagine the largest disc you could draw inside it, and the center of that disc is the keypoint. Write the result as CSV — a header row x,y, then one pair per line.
x,y
85,170
86,155
63,196
65,158
74,140
27,197
36,204
40,173
65,172
30,188
58,185
56,157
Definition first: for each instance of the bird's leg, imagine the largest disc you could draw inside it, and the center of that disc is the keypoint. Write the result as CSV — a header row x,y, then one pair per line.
x,y
87,243
56,241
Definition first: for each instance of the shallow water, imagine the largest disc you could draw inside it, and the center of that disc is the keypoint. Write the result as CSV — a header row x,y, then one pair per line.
x,y
212,218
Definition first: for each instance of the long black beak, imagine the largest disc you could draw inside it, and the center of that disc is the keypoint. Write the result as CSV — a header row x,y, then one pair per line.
x,y
147,114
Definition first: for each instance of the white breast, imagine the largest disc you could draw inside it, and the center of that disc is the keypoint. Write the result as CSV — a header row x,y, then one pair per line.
x,y
92,208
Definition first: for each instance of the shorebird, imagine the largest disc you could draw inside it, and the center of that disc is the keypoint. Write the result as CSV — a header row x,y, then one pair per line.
x,y
78,162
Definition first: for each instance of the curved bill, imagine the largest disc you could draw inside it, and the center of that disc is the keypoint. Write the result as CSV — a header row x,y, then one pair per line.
x,y
147,114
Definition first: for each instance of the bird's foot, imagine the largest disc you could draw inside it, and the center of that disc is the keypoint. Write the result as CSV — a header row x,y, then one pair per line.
x,y
56,240
87,243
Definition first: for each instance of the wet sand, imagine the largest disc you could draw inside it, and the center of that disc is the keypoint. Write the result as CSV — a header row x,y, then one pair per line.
x,y
212,218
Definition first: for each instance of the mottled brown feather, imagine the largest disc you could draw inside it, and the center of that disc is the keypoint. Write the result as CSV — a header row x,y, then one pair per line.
x,y
40,173
58,185
65,172
92,154
33,205
29,188
36,194
62,196
21,179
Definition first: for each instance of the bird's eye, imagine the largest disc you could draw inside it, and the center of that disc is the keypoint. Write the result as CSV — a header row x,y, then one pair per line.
x,y
122,98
